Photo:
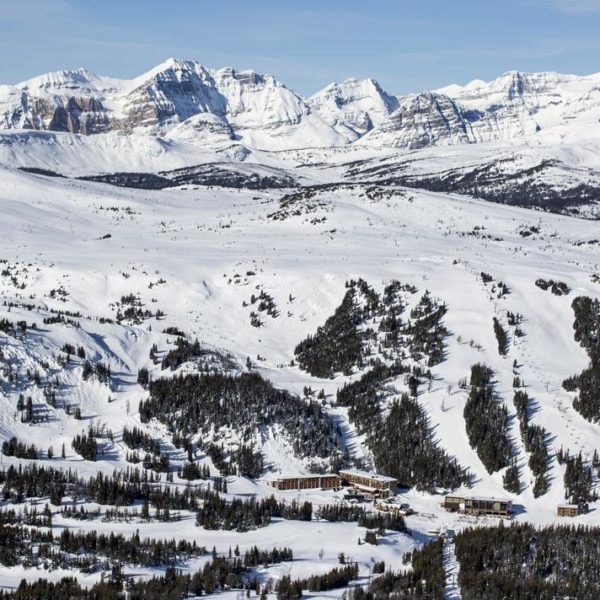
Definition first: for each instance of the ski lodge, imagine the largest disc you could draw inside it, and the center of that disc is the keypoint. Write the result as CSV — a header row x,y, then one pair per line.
x,y
371,482
478,506
307,482
571,510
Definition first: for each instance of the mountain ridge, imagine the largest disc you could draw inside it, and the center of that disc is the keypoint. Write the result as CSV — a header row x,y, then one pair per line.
x,y
527,139
264,113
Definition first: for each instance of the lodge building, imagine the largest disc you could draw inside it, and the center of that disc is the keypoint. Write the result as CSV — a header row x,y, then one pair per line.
x,y
307,482
571,510
478,506
371,482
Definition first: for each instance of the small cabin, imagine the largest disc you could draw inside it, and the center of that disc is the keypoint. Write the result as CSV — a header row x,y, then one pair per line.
x,y
571,510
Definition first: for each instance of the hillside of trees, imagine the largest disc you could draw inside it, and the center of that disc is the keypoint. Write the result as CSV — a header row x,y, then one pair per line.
x,y
486,421
401,439
368,327
534,440
196,404
587,383
522,562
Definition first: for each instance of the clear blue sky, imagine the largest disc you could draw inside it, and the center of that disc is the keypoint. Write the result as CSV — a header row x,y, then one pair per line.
x,y
407,45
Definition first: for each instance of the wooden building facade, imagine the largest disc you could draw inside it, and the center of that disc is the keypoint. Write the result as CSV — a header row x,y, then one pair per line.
x,y
572,510
371,482
307,482
477,506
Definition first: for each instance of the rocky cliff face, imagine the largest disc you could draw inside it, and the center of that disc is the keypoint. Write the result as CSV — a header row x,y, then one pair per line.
x,y
62,101
514,105
518,104
184,98
175,93
74,114
423,120
533,90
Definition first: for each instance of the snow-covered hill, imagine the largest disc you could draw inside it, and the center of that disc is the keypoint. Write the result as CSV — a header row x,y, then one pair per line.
x,y
81,248
259,284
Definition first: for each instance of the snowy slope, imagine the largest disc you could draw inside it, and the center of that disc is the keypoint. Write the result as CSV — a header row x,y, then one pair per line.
x,y
53,238
380,188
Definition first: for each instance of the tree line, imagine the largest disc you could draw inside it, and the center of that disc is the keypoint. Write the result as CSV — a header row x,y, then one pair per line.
x,y
523,562
587,332
218,574
534,440
247,403
402,441
486,422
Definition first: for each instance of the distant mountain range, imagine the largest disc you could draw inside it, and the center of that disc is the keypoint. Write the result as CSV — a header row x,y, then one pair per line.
x,y
184,98
523,138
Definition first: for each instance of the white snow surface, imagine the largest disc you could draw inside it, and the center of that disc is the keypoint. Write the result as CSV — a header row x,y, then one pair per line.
x,y
198,254
181,250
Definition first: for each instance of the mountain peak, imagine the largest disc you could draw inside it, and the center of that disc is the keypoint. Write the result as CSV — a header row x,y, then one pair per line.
x,y
57,79
173,66
355,104
176,63
351,83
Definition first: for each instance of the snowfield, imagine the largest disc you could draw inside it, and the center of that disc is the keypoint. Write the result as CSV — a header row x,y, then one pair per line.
x,y
197,254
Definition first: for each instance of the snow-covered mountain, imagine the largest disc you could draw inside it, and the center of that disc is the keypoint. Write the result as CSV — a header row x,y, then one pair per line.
x,y
208,281
182,114
513,106
213,104
185,98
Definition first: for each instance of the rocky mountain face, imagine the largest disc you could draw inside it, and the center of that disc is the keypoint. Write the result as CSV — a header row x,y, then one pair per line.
x,y
186,99
212,104
358,106
238,99
62,101
427,119
514,105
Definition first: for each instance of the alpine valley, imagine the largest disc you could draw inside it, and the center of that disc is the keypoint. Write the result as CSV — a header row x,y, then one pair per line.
x,y
257,344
